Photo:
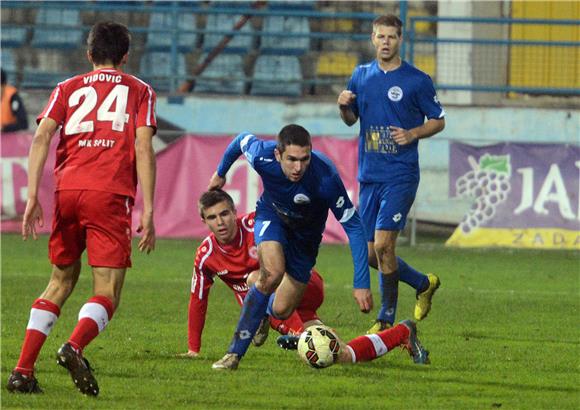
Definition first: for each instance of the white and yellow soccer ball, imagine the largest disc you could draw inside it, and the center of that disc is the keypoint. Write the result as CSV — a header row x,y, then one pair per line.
x,y
318,346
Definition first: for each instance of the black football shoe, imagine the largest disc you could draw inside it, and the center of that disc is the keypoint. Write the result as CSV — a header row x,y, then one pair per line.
x,y
19,383
79,368
288,342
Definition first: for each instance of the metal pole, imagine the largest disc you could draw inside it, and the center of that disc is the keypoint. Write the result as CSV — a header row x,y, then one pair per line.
x,y
403,7
174,44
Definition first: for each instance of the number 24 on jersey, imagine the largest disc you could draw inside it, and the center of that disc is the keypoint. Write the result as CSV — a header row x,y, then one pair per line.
x,y
77,123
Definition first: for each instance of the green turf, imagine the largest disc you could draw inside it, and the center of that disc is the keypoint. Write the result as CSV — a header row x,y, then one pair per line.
x,y
504,332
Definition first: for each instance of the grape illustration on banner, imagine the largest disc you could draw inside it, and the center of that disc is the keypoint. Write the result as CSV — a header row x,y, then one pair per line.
x,y
488,183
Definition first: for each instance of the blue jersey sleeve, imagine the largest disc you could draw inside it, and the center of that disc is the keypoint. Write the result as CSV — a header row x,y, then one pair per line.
x,y
345,212
245,143
352,86
427,100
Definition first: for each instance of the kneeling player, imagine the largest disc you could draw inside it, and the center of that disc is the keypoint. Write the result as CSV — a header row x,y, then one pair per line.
x,y
229,253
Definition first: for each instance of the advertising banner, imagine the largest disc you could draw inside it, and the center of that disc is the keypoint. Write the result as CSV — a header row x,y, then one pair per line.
x,y
524,195
183,172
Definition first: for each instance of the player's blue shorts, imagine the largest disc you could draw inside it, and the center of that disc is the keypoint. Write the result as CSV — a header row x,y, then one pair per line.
x,y
300,250
384,206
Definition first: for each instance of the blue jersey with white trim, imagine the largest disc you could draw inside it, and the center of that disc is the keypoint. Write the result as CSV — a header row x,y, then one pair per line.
x,y
402,98
303,205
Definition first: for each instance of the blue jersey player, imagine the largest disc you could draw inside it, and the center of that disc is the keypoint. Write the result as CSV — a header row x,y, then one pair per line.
x,y
300,186
392,99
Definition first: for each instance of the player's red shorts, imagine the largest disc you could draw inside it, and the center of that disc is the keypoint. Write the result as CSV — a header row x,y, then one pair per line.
x,y
312,299
97,221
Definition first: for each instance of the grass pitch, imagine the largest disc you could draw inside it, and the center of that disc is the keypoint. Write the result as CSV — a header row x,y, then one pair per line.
x,y
503,333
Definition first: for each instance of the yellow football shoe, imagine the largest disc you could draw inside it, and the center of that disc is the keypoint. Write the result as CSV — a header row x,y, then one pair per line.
x,y
423,305
378,326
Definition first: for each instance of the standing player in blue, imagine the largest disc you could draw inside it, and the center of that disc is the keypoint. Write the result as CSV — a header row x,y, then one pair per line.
x,y
392,99
300,186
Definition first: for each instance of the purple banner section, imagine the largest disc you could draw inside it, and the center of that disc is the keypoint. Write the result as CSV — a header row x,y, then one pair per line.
x,y
517,186
183,172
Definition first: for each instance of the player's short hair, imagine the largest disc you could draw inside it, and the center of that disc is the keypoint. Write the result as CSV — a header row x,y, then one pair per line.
x,y
3,76
389,20
108,41
211,198
293,134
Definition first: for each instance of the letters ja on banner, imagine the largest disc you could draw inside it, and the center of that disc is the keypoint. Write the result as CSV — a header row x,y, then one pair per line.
x,y
523,195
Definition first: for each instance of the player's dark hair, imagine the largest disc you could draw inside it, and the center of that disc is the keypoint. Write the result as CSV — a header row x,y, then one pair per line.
x,y
211,198
3,76
389,20
108,42
293,134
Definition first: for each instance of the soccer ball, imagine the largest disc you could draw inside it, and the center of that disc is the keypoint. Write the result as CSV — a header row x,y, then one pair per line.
x,y
318,346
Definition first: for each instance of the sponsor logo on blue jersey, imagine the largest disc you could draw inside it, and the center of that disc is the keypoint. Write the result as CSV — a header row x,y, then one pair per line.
x,y
395,93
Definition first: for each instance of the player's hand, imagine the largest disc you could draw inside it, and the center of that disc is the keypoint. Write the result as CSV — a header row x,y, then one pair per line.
x,y
346,98
147,229
216,182
364,298
189,354
32,216
401,136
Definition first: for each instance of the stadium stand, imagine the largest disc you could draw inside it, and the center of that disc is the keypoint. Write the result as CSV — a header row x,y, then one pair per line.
x,y
277,75
156,68
50,68
160,36
218,25
9,64
336,63
13,36
292,5
312,45
224,75
57,28
280,42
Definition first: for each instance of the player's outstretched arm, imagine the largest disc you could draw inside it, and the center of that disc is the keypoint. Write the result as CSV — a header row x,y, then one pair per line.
x,y
345,212
146,171
33,214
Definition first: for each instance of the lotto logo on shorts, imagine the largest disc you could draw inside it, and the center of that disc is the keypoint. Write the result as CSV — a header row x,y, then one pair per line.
x,y
397,217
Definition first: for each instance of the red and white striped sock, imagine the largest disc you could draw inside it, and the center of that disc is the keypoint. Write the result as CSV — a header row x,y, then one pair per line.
x,y
93,318
43,316
369,347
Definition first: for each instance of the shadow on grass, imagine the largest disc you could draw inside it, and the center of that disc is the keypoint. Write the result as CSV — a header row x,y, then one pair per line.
x,y
511,339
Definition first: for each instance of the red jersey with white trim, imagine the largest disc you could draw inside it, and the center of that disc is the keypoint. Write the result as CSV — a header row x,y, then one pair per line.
x,y
231,263
99,112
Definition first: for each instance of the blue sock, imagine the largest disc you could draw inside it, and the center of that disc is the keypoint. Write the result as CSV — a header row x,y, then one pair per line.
x,y
412,277
253,311
389,286
270,309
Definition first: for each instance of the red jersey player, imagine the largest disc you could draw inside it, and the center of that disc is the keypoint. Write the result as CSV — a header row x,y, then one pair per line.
x,y
229,253
107,121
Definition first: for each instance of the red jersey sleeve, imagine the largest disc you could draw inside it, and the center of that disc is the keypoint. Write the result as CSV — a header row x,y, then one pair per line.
x,y
201,283
56,108
146,109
